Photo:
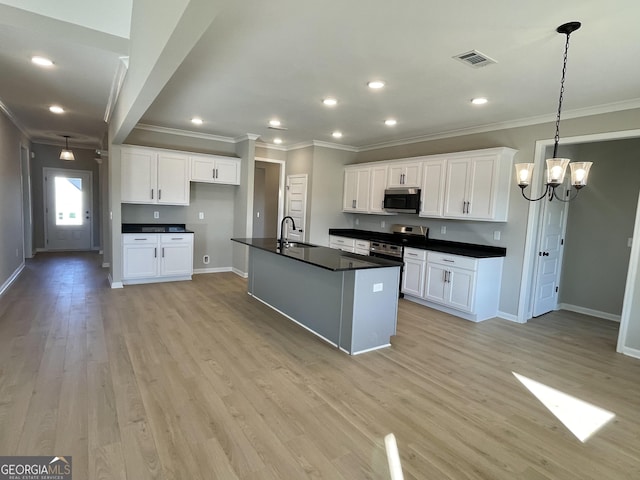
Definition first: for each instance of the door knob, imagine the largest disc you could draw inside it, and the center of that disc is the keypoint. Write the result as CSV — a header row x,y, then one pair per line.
x,y
545,254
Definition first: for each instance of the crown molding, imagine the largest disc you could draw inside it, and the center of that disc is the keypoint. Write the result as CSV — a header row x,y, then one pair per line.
x,y
525,122
335,146
184,133
268,146
14,120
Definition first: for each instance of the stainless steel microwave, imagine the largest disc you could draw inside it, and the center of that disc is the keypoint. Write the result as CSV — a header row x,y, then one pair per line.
x,y
402,200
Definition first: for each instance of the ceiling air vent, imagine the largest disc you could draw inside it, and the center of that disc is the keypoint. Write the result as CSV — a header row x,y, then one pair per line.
x,y
475,59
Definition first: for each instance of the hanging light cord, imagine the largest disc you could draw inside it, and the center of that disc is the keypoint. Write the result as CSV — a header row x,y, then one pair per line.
x,y
564,72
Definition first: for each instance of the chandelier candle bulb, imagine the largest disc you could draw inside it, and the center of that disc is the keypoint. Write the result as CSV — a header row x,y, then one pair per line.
x,y
556,168
524,173
580,173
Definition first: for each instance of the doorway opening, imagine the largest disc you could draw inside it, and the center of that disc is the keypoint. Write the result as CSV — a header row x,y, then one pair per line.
x,y
68,197
268,197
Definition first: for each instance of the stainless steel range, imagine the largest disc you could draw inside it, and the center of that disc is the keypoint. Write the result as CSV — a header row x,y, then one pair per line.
x,y
392,248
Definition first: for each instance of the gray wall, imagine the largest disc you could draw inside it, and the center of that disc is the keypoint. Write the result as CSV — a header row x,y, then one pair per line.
x,y
49,156
11,234
599,224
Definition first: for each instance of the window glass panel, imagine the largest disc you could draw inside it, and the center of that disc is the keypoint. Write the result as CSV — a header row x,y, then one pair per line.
x,y
68,201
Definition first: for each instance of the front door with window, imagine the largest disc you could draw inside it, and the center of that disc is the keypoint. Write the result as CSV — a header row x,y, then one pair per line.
x,y
68,195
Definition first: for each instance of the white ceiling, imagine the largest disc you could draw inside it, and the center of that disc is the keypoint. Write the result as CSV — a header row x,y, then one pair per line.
x,y
278,59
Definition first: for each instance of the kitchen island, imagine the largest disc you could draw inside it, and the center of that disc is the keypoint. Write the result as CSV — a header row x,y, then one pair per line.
x,y
348,300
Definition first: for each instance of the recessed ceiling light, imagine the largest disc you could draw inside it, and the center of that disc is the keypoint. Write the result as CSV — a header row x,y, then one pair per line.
x,y
42,61
56,109
336,134
329,101
277,141
390,122
375,84
479,101
196,121
274,123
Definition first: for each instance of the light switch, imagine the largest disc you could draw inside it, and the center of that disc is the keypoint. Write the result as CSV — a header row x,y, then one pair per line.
x,y
377,287
156,214
443,229
496,235
201,215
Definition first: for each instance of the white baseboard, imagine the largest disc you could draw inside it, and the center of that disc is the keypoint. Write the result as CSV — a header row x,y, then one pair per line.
x,y
631,352
114,284
589,311
508,316
197,271
12,278
240,273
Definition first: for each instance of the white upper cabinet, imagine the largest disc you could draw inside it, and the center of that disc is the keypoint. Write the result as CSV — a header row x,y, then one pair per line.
x,y
215,169
432,188
154,177
377,188
404,174
477,186
356,189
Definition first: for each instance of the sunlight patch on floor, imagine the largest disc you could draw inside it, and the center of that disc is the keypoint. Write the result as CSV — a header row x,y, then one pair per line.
x,y
581,418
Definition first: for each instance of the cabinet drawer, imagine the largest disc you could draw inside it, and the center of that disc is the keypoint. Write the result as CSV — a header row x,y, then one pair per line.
x,y
453,260
362,244
175,238
342,241
139,239
415,254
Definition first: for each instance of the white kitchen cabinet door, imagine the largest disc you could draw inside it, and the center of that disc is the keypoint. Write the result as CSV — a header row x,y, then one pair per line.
x,y
140,260
227,171
173,179
481,189
461,285
455,203
138,176
405,175
356,190
176,259
413,278
203,169
436,283
432,188
378,185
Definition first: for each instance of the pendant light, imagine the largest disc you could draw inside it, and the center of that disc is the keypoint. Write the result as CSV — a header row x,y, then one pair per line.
x,y
66,154
556,167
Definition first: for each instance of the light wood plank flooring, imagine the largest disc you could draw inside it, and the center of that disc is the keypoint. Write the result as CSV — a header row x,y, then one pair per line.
x,y
197,380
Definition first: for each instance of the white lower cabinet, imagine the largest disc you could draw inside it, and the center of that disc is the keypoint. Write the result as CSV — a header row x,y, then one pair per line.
x,y
463,286
158,257
413,273
362,247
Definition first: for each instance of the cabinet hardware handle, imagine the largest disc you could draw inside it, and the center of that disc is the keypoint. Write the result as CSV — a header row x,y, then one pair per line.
x,y
444,276
152,194
447,260
159,193
468,207
139,238
412,254
216,173
155,252
213,173
162,252
177,238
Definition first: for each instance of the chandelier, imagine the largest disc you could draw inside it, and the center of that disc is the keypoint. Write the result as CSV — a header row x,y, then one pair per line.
x,y
556,167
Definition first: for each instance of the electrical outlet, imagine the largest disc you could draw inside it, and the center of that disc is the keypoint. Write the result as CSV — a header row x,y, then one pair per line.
x,y
17,253
377,287
205,259
156,214
357,221
496,235
443,230
201,215
383,224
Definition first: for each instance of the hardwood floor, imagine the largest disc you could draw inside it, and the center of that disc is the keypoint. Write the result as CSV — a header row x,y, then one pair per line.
x,y
197,380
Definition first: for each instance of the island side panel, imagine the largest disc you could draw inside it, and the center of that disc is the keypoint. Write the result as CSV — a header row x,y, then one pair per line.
x,y
310,295
375,308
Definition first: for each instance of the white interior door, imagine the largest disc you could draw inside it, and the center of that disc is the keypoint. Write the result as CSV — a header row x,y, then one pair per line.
x,y
549,259
296,207
68,209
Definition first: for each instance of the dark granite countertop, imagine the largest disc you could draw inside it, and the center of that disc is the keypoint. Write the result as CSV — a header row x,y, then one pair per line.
x,y
154,228
416,241
323,257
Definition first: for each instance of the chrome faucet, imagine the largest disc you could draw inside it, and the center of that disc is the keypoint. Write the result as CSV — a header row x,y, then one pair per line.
x,y
282,241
